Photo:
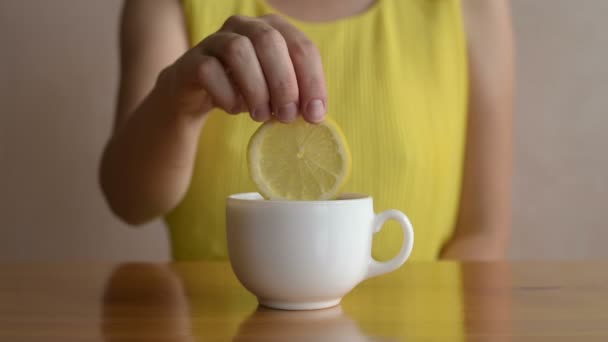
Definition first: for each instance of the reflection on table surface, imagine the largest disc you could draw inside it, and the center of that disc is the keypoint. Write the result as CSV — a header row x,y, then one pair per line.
x,y
206,302
203,301
318,325
190,306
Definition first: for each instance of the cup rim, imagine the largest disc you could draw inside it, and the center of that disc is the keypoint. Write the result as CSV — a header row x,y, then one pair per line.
x,y
252,198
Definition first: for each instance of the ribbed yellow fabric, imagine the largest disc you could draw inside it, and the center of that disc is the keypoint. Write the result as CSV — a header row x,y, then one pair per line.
x,y
397,85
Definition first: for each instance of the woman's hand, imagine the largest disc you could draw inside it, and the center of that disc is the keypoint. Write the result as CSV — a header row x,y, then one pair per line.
x,y
264,64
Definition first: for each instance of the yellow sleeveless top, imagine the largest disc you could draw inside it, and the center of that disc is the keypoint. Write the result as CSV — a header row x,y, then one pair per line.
x,y
397,85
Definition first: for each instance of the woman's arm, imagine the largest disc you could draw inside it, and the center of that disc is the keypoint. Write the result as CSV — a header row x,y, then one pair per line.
x,y
484,221
167,90
146,164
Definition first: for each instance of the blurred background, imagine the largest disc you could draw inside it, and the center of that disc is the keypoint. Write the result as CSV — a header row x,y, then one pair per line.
x,y
58,78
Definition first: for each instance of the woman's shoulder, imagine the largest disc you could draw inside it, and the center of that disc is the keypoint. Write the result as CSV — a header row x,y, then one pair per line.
x,y
488,26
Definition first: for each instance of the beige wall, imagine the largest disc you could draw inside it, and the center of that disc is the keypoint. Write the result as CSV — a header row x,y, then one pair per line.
x,y
56,103
561,157
58,77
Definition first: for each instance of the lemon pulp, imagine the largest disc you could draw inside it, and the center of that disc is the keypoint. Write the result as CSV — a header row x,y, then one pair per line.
x,y
299,160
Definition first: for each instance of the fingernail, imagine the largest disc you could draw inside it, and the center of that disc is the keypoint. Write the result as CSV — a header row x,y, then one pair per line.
x,y
315,110
261,113
288,112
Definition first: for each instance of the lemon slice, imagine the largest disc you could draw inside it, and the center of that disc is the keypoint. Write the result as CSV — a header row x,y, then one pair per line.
x,y
299,161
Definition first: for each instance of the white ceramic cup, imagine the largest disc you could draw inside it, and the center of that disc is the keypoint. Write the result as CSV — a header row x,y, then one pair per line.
x,y
304,255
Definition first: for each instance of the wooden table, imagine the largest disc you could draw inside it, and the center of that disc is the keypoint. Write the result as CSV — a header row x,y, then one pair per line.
x,y
559,301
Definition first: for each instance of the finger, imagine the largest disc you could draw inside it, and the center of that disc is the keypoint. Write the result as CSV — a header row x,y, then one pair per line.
x,y
273,55
308,68
215,81
241,106
237,54
202,83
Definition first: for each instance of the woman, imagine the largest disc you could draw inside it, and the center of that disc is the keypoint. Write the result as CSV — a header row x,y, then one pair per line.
x,y
421,88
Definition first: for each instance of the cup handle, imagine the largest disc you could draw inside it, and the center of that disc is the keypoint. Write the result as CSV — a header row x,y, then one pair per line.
x,y
377,268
